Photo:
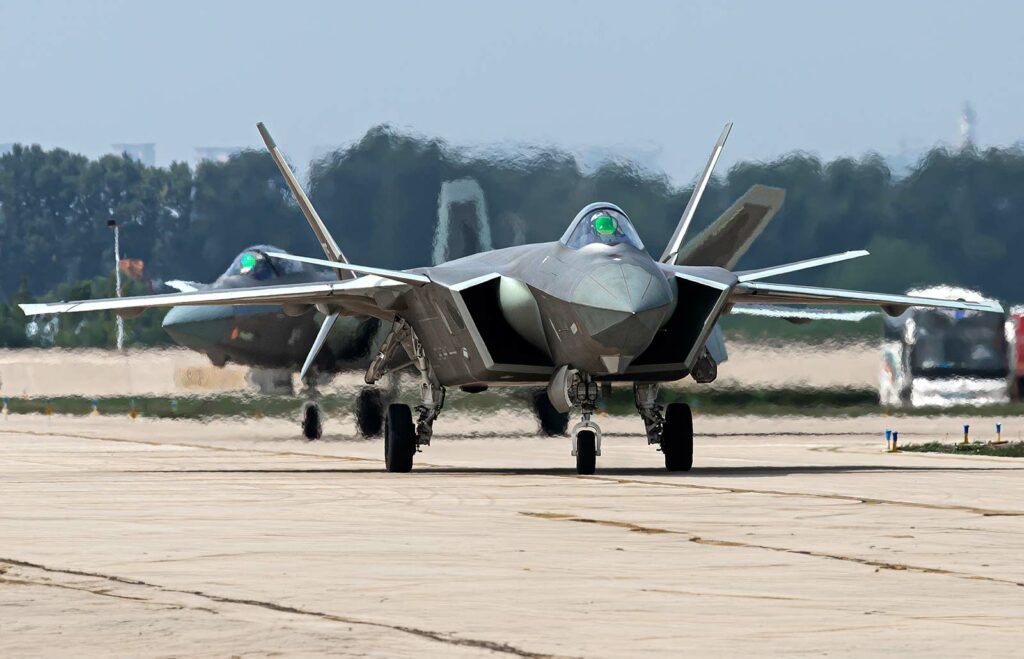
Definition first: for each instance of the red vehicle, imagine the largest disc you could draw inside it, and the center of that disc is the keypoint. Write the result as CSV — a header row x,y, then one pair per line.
x,y
1015,335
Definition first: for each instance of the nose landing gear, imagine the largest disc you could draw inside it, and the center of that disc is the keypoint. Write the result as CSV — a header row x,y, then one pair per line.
x,y
586,435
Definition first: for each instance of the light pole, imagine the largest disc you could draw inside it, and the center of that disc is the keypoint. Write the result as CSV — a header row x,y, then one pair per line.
x,y
112,224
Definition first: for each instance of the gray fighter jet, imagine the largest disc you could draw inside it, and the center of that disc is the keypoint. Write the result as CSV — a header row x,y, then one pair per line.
x,y
592,308
268,337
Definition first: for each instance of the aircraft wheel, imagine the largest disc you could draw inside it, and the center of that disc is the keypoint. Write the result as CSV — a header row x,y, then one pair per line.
x,y
586,452
552,422
369,412
677,437
399,439
311,426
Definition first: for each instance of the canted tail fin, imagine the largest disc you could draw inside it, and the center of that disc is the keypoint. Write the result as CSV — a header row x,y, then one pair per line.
x,y
323,236
730,236
676,242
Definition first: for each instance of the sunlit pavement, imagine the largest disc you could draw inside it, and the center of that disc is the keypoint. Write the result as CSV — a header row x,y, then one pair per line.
x,y
144,538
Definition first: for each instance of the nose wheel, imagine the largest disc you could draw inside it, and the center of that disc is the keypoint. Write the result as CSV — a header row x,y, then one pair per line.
x,y
586,447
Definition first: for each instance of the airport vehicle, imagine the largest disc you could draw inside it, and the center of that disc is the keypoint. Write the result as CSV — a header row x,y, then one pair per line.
x,y
944,357
591,308
274,339
1015,337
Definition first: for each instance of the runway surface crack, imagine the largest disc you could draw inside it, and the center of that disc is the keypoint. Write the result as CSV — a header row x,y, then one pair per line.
x,y
700,540
440,637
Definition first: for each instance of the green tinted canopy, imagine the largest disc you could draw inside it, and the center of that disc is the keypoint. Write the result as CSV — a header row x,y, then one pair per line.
x,y
605,225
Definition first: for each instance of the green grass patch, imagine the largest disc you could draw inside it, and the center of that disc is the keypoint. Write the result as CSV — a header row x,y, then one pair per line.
x,y
1008,450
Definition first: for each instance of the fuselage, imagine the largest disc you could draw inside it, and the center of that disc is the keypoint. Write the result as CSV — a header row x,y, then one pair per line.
x,y
268,336
515,315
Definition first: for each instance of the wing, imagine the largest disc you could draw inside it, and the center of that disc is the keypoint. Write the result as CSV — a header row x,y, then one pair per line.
x,y
776,270
366,296
763,293
802,315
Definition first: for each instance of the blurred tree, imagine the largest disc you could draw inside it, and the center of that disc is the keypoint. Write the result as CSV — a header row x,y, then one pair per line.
x,y
955,218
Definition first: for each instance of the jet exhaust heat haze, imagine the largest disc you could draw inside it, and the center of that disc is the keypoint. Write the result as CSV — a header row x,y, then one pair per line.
x,y
591,308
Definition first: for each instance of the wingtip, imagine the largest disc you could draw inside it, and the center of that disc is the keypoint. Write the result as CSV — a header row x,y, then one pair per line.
x,y
265,134
33,309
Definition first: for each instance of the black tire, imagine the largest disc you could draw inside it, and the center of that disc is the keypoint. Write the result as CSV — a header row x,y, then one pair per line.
x,y
369,412
586,452
311,425
552,422
399,439
677,437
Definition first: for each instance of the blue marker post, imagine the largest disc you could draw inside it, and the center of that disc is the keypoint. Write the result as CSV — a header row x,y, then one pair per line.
x,y
174,407
967,436
95,407
895,441
4,412
888,440
999,434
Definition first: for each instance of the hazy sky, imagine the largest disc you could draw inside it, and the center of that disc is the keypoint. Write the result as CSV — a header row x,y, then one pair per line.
x,y
660,78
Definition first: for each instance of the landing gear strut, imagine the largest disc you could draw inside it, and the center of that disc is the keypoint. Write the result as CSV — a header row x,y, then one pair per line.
x,y
673,432
402,437
586,435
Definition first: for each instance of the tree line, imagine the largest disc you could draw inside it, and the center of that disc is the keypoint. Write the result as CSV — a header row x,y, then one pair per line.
x,y
956,217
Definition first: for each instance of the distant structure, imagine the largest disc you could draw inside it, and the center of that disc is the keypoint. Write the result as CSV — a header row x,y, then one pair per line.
x,y
216,153
144,152
463,227
968,124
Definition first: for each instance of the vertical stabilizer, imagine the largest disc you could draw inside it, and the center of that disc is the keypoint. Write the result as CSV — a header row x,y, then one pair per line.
x,y
676,241
731,235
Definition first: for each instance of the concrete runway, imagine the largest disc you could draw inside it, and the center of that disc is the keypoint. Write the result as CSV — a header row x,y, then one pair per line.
x,y
791,536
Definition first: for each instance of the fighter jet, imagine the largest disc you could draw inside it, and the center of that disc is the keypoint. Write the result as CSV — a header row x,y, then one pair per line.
x,y
593,307
274,336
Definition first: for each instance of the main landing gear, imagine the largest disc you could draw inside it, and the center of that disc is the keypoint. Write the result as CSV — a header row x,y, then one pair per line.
x,y
369,411
403,437
312,425
673,431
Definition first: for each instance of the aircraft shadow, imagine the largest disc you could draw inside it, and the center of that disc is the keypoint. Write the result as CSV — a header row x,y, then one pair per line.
x,y
696,473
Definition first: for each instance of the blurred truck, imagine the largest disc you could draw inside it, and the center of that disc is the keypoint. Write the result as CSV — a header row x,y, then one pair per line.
x,y
941,358
1015,337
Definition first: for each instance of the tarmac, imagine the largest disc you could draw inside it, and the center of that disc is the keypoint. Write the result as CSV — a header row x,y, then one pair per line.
x,y
791,536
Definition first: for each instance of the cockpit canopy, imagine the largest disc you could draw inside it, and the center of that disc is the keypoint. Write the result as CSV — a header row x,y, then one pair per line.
x,y
255,263
601,223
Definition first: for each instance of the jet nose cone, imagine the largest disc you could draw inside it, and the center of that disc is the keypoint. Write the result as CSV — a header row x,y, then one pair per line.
x,y
623,287
196,327
621,307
